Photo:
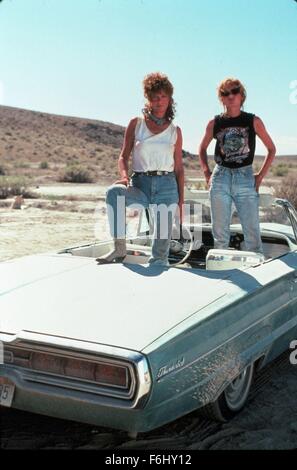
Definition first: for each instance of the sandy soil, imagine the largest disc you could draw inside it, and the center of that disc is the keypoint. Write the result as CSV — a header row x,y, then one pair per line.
x,y
62,217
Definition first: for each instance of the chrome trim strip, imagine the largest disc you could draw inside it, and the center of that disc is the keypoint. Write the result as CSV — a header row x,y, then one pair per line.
x,y
69,383
67,344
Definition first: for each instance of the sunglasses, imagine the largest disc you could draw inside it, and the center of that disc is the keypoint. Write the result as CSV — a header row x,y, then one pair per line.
x,y
233,91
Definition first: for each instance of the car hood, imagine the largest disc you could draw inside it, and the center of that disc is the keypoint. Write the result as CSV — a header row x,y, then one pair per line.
x,y
123,305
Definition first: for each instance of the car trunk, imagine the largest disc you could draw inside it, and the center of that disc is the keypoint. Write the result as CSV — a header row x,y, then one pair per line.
x,y
123,305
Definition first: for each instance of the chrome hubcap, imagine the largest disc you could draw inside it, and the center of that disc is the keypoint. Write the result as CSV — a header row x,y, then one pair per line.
x,y
237,392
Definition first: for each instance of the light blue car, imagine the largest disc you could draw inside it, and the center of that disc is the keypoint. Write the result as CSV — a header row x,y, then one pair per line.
x,y
132,346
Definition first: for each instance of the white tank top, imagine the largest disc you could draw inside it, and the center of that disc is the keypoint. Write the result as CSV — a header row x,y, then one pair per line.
x,y
153,152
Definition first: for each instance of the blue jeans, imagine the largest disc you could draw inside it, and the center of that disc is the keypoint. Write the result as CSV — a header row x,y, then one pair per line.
x,y
235,185
156,193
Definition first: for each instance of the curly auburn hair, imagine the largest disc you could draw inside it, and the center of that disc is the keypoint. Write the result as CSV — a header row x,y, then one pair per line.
x,y
155,82
231,82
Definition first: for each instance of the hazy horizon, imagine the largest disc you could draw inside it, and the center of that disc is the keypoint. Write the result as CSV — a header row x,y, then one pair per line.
x,y
88,59
117,124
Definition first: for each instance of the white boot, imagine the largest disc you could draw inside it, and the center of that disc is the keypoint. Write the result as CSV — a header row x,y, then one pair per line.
x,y
117,254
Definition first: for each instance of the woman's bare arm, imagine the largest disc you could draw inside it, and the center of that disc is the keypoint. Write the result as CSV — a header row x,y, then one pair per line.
x,y
271,150
123,162
202,152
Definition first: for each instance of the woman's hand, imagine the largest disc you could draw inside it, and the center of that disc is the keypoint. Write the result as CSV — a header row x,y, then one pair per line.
x,y
180,212
258,181
125,181
208,179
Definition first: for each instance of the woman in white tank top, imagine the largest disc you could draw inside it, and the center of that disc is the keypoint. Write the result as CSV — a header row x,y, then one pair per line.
x,y
155,145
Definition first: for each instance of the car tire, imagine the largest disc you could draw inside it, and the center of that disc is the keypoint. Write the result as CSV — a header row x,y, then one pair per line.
x,y
232,399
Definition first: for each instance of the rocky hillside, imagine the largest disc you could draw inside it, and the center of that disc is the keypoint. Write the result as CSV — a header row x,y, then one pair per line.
x,y
44,146
41,145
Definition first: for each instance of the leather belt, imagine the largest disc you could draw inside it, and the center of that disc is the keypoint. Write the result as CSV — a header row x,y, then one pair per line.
x,y
153,173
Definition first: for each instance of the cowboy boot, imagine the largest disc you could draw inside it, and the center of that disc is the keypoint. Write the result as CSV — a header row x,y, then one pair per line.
x,y
117,254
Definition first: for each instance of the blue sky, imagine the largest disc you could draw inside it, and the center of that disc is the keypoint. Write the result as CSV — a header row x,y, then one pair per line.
x,y
88,58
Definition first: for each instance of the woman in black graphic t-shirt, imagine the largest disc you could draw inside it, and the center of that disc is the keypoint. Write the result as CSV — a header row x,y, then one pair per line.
x,y
233,179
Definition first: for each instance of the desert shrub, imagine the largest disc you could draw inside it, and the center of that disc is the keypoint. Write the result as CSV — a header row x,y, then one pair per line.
x,y
2,170
13,186
43,165
76,174
21,164
280,170
105,166
287,190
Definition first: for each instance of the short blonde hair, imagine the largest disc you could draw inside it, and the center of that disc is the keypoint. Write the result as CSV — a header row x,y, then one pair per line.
x,y
231,82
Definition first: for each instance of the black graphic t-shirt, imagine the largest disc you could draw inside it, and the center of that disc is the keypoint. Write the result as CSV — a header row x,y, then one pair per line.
x,y
236,140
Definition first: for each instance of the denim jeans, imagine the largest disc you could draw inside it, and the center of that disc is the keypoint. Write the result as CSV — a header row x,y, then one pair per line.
x,y
156,193
235,185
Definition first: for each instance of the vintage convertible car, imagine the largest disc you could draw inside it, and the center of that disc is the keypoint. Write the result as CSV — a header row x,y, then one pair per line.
x,y
133,346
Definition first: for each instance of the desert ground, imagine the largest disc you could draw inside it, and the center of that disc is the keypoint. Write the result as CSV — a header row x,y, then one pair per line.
x,y
43,155
60,216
